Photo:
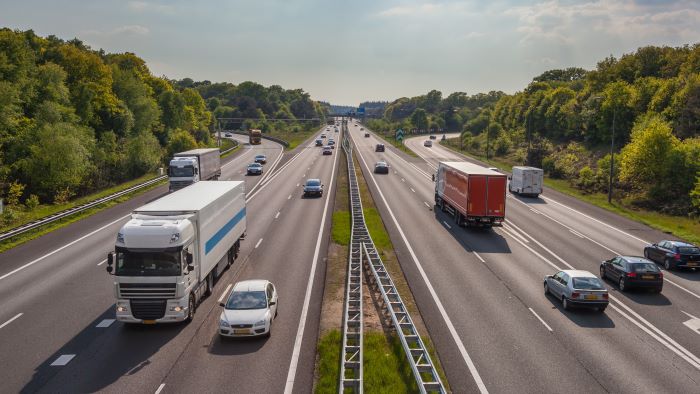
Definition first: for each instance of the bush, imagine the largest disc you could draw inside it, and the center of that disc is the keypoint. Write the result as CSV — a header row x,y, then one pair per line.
x,y
9,216
503,145
62,196
14,193
586,178
32,202
695,195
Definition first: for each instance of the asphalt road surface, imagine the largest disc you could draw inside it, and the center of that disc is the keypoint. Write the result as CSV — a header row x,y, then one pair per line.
x,y
57,332
480,291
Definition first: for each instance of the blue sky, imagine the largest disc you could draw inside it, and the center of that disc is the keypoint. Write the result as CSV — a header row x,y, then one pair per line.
x,y
345,52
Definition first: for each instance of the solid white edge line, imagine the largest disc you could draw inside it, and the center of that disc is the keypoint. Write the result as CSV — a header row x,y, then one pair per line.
x,y
62,360
478,257
514,233
446,224
160,388
277,214
289,197
17,316
258,243
453,332
291,375
541,320
413,190
105,323
662,338
223,293
101,262
62,247
426,204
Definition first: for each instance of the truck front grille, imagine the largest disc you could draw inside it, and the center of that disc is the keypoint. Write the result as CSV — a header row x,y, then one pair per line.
x,y
147,290
177,185
148,309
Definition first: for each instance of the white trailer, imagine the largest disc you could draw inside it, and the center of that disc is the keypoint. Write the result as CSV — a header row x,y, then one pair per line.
x,y
193,166
526,181
169,254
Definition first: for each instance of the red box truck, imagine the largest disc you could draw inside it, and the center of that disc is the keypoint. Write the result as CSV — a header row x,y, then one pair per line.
x,y
475,195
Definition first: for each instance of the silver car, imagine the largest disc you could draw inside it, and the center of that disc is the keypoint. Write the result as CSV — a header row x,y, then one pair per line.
x,y
577,289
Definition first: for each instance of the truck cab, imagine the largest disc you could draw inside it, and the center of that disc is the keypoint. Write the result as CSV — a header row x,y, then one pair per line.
x,y
183,171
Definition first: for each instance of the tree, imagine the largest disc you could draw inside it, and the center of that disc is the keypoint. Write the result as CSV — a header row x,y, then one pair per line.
x,y
143,154
180,141
419,119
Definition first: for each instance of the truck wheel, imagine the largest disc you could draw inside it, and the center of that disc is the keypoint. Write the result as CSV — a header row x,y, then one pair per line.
x,y
210,279
191,309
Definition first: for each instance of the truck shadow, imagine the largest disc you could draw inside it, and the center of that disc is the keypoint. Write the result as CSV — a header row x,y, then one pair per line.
x,y
583,317
525,199
476,239
102,356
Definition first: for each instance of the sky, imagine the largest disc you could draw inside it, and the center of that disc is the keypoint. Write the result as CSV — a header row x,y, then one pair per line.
x,y
345,52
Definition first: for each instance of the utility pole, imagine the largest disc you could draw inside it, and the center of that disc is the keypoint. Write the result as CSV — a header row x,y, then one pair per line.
x,y
612,157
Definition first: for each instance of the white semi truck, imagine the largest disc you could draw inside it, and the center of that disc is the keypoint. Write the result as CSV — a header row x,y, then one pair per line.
x,y
526,181
169,254
193,166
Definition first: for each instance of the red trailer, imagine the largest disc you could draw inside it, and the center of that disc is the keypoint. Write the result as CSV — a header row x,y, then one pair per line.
x,y
475,195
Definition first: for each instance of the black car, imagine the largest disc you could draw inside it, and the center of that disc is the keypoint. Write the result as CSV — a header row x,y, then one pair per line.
x,y
255,169
262,159
379,148
366,135
432,137
674,254
631,271
381,168
313,187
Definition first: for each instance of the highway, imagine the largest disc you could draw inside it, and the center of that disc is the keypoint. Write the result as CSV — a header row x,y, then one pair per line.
x,y
480,291
56,323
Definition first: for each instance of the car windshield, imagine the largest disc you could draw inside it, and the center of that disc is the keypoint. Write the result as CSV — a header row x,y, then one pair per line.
x,y
240,300
688,250
643,267
260,156
130,263
256,165
588,284
313,183
181,171
381,164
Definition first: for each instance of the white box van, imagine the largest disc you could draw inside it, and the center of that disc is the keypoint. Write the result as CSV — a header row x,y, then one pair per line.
x,y
526,181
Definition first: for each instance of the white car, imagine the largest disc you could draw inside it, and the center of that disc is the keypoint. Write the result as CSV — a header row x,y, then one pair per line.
x,y
249,309
428,143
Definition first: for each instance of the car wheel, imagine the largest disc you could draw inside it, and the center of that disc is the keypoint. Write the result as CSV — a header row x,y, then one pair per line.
x,y
622,284
546,289
646,254
602,309
602,273
668,264
565,304
269,332
190,309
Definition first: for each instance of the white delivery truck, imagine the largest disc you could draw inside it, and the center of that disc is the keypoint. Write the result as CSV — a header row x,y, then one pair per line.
x,y
168,255
526,181
193,166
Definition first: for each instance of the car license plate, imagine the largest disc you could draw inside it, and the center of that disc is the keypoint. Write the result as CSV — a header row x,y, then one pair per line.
x,y
240,331
591,297
647,276
149,322
692,264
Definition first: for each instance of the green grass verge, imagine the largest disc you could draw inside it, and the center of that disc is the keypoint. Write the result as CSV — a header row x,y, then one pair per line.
x,y
386,369
680,226
30,235
294,138
341,227
328,349
226,144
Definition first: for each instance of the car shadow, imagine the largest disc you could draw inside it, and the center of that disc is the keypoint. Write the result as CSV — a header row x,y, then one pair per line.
x,y
235,346
642,296
528,200
691,274
583,317
103,355
473,239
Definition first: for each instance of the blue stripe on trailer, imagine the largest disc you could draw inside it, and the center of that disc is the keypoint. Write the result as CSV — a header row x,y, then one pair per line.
x,y
216,238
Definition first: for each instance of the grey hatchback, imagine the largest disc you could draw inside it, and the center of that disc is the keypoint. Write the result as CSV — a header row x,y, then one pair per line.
x,y
577,288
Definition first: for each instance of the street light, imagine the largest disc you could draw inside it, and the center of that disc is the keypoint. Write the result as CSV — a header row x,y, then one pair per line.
x,y
612,151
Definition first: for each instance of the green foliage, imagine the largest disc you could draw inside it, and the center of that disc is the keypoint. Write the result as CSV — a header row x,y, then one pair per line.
x,y
143,154
32,202
419,119
14,193
586,178
180,141
695,195
341,227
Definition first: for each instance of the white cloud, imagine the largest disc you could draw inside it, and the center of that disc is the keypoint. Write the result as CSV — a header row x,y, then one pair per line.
x,y
144,6
416,9
130,30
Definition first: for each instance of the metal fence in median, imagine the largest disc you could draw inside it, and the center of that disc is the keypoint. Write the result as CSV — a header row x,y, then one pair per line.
x,y
364,253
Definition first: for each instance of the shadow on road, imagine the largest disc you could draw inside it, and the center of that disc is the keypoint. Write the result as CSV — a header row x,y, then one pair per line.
x,y
583,317
103,355
477,239
235,346
527,200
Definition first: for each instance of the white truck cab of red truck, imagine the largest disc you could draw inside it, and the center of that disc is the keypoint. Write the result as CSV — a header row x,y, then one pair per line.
x,y
169,253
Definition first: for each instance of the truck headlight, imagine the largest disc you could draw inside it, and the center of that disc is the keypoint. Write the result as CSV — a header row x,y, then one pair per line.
x,y
223,323
122,308
175,237
259,323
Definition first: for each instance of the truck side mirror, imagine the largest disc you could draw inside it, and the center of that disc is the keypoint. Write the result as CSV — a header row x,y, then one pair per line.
x,y
189,258
109,269
433,177
110,261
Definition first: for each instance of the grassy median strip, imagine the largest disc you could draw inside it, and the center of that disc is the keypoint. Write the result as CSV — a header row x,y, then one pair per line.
x,y
680,226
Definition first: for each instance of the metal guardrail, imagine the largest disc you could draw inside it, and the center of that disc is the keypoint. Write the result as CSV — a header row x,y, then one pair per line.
x,y
351,376
71,211
423,368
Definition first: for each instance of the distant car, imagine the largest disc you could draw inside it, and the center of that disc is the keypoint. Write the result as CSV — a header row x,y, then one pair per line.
x,y
493,169
255,169
331,143
327,150
630,271
313,187
577,289
428,143
319,142
228,135
323,135
379,148
249,310
362,128
262,159
674,254
432,137
366,135
381,168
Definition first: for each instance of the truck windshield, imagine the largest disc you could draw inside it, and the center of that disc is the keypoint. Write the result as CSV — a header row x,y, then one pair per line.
x,y
181,171
148,263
